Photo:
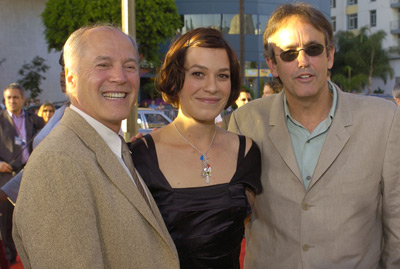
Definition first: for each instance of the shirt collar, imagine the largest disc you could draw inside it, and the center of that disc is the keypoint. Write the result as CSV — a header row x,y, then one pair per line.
x,y
21,115
332,89
109,136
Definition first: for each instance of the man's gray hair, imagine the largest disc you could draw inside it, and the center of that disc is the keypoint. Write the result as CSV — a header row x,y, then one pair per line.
x,y
16,86
75,45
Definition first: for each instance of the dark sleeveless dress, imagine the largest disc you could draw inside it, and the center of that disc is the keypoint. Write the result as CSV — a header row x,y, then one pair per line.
x,y
206,223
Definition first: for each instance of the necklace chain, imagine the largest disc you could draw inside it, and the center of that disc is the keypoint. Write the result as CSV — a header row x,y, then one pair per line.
x,y
206,172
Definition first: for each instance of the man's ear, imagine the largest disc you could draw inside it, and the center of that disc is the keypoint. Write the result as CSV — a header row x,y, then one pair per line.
x,y
331,54
70,77
272,66
70,81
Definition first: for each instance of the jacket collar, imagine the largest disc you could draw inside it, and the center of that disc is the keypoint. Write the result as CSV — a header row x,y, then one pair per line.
x,y
114,171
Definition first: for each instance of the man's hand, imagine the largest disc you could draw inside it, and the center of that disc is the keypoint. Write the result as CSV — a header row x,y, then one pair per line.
x,y
5,167
136,137
3,196
139,136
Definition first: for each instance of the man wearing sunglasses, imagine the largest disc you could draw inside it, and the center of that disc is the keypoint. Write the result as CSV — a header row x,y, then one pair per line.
x,y
330,160
244,98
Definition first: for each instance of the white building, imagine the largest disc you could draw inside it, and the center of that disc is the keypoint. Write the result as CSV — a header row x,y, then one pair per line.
x,y
378,15
22,38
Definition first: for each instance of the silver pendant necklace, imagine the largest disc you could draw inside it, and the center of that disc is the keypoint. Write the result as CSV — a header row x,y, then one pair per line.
x,y
206,171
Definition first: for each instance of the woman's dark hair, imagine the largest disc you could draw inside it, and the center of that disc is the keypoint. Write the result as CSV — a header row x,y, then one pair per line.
x,y
171,76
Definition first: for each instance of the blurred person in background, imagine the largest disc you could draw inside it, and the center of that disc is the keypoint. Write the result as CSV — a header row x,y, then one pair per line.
x,y
271,87
396,93
46,111
17,128
244,97
11,188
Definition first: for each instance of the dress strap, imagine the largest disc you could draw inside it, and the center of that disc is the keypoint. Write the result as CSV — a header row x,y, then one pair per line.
x,y
242,148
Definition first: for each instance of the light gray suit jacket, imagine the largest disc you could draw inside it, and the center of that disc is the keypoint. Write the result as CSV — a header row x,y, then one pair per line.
x,y
77,207
349,217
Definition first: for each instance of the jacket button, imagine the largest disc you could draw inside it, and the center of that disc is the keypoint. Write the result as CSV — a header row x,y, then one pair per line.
x,y
306,206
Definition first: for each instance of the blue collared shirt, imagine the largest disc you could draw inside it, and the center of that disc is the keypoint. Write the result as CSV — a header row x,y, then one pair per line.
x,y
307,146
19,124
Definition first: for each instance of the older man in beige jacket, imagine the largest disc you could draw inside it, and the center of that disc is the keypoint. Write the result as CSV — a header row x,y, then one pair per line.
x,y
79,205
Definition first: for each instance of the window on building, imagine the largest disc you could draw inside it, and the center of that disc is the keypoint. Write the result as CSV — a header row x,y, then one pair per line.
x,y
263,19
372,17
352,21
351,2
334,23
333,3
226,23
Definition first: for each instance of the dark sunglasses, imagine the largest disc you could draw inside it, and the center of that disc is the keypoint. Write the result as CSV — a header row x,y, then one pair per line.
x,y
245,99
310,50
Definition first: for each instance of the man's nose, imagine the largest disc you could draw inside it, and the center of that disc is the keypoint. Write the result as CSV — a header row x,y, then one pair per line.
x,y
302,58
118,74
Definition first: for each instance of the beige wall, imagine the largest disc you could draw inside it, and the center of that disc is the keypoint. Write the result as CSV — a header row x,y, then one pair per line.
x,y
21,39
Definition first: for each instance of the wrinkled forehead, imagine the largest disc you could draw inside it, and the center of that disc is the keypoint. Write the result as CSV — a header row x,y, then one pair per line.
x,y
103,39
297,28
296,32
12,93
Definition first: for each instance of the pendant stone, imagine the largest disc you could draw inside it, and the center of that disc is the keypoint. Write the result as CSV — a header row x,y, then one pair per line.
x,y
206,173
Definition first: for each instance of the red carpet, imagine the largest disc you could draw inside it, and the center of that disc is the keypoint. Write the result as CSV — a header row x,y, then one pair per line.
x,y
18,264
242,252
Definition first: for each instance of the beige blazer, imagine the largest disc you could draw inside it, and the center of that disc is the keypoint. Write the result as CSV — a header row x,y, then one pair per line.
x,y
349,217
77,207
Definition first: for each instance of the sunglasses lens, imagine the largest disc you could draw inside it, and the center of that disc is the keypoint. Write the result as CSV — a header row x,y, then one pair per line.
x,y
314,50
289,55
311,50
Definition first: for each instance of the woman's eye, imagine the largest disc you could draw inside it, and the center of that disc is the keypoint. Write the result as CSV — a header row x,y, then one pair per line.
x,y
197,74
223,76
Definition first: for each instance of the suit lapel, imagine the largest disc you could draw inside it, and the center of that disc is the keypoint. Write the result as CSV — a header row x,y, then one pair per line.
x,y
280,137
336,139
111,166
28,127
11,122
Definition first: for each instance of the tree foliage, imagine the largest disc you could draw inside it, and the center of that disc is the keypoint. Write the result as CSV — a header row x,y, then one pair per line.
x,y
156,20
32,76
148,91
359,58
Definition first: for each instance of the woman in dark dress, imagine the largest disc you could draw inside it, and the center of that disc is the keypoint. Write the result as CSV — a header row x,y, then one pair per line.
x,y
201,176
